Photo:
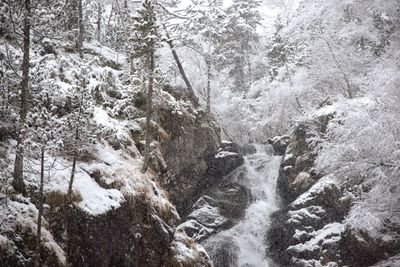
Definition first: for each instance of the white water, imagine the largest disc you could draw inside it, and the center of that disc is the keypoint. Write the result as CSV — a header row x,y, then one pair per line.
x,y
246,240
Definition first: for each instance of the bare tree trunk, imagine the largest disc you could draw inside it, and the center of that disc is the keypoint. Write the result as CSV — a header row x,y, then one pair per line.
x,y
149,107
80,29
348,90
75,156
40,208
208,107
18,181
192,95
71,180
98,21
290,76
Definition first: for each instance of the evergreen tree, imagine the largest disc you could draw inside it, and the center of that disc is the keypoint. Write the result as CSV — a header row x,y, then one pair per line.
x,y
240,33
145,40
280,53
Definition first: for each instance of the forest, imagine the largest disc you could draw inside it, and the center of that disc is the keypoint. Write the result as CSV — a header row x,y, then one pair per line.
x,y
200,133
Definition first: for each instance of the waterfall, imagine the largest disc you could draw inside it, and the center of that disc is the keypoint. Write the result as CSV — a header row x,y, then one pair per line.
x,y
243,245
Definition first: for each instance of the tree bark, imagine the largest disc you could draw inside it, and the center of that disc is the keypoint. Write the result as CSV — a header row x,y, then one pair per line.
x,y
149,107
98,21
80,29
40,208
192,95
76,139
18,181
208,107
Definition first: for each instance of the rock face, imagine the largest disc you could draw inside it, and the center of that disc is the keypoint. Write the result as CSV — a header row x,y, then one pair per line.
x,y
297,174
194,138
221,201
127,236
311,229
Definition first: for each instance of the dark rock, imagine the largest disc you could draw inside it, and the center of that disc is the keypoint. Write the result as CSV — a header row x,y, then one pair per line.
x,y
360,249
297,174
127,236
279,144
280,237
223,163
194,139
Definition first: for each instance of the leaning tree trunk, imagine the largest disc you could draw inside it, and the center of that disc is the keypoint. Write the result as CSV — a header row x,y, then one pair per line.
x,y
40,208
18,181
149,106
192,95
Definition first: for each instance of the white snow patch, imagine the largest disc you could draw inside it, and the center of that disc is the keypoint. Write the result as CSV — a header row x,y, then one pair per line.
x,y
329,234
223,154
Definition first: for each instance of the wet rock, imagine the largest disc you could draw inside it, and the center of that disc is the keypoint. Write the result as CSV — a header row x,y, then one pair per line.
x,y
221,208
240,149
223,163
279,143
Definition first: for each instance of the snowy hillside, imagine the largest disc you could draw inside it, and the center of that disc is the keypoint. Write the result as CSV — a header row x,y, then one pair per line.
x,y
199,133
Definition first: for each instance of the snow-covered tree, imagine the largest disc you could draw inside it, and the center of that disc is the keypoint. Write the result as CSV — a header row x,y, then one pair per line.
x,y
239,39
145,40
203,29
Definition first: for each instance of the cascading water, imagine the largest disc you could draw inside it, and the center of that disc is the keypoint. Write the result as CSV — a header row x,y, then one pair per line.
x,y
244,244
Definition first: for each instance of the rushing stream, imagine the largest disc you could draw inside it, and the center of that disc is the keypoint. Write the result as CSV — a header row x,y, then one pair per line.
x,y
244,244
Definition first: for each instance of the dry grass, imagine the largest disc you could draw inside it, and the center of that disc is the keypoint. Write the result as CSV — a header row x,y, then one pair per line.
x,y
58,198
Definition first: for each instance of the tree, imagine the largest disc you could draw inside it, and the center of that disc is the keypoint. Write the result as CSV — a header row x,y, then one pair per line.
x,y
204,26
42,137
18,181
80,29
280,53
76,142
144,42
240,33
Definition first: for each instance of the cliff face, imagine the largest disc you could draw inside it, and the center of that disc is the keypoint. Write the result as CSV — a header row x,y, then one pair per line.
x,y
194,138
311,226
119,216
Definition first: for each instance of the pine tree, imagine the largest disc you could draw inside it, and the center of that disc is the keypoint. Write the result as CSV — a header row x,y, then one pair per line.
x,y
43,139
240,33
280,53
144,42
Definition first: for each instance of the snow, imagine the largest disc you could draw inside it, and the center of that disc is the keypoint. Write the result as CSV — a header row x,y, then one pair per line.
x,y
106,52
185,250
3,241
311,212
223,154
208,216
95,199
330,233
314,190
